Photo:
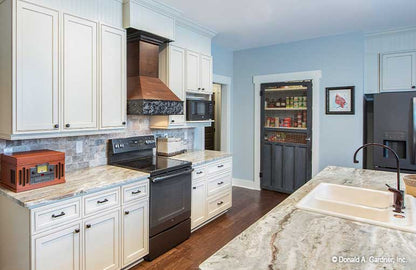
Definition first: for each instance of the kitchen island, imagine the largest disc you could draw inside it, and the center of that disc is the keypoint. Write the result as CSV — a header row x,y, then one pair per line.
x,y
290,238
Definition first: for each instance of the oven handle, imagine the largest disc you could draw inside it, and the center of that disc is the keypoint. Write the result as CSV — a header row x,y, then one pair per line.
x,y
161,178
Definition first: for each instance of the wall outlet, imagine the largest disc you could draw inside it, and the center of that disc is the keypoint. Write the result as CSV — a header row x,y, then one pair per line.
x,y
79,146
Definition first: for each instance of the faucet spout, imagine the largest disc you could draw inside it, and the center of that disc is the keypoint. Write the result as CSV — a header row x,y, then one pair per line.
x,y
398,194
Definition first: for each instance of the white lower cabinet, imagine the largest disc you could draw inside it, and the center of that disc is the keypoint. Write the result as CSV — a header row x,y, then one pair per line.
x,y
211,191
93,240
135,231
101,241
199,204
58,250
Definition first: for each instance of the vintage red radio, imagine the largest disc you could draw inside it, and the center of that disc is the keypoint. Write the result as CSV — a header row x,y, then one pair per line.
x,y
30,170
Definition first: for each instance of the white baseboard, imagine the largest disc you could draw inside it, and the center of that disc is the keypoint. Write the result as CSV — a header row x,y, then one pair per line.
x,y
245,184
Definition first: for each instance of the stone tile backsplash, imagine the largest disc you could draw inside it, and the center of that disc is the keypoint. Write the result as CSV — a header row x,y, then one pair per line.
x,y
90,151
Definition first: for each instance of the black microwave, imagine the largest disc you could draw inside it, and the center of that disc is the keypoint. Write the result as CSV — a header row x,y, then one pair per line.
x,y
198,110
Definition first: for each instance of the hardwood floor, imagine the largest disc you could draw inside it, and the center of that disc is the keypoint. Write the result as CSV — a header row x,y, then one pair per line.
x,y
248,206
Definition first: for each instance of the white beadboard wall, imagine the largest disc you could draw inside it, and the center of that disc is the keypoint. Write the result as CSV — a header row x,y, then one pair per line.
x,y
390,41
109,12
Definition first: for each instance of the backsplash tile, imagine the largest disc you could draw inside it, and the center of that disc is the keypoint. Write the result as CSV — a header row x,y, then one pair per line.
x,y
92,150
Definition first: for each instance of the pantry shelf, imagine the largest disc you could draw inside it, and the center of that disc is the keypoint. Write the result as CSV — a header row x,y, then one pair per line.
x,y
291,129
285,109
285,89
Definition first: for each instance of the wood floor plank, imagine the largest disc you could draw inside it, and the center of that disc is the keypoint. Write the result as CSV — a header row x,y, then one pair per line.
x,y
248,206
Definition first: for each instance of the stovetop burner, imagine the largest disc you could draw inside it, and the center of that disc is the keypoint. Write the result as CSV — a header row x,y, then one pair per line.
x,y
154,164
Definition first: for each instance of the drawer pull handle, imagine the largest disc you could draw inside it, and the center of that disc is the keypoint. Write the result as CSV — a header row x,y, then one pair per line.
x,y
103,201
136,192
76,231
193,187
127,212
219,203
220,183
60,215
199,172
88,226
220,166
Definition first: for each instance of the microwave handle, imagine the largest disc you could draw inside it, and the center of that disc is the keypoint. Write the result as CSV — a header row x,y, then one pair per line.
x,y
413,119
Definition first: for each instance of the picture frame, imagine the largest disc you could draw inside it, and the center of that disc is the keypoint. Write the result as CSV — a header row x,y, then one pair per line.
x,y
340,100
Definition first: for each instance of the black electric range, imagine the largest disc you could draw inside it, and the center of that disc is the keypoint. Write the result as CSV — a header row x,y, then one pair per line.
x,y
170,190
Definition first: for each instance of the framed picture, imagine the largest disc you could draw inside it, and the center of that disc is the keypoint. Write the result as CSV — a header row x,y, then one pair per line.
x,y
340,100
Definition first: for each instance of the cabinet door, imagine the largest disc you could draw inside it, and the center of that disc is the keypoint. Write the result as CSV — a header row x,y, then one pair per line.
x,y
192,71
60,250
79,73
199,204
113,77
37,68
177,71
101,242
206,73
135,232
398,71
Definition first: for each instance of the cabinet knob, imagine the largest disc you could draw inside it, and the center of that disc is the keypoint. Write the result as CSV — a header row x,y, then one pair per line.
x,y
203,88
199,88
193,187
56,126
127,212
88,226
76,231
67,125
124,123
172,121
413,86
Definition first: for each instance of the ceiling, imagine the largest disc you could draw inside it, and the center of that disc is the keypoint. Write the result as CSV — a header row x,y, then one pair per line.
x,y
243,24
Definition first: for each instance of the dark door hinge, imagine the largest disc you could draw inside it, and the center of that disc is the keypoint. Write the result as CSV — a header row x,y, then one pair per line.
x,y
261,174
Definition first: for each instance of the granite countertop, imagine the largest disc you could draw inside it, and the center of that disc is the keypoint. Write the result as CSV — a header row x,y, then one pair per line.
x,y
290,238
77,183
202,156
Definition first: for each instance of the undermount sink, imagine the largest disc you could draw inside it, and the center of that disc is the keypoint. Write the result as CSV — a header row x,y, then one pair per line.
x,y
360,204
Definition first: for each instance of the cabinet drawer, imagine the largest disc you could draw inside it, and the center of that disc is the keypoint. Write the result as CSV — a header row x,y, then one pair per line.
x,y
135,191
198,173
219,167
101,201
55,214
218,204
218,184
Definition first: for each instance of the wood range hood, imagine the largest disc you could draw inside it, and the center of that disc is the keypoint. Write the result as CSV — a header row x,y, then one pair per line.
x,y
146,93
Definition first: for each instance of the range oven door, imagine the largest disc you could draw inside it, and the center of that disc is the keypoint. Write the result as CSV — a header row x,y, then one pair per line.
x,y
170,199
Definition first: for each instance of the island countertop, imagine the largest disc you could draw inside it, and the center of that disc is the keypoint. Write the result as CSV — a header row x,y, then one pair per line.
x,y
77,183
290,238
199,157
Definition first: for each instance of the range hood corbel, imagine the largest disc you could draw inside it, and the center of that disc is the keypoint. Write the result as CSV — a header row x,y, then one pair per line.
x,y
146,93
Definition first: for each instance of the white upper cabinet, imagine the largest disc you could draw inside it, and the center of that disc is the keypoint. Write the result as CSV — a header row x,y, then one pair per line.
x,y
176,80
398,71
113,79
206,73
192,71
148,16
80,73
198,73
37,95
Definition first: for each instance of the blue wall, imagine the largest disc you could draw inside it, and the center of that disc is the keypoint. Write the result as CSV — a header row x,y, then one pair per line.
x,y
223,60
341,60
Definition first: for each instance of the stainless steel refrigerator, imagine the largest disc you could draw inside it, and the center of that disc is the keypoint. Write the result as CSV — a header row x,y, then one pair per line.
x,y
394,125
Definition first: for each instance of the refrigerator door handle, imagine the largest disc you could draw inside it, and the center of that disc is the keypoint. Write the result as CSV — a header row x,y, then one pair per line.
x,y
413,119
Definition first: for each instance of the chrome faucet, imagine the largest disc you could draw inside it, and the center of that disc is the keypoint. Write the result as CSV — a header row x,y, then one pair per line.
x,y
398,202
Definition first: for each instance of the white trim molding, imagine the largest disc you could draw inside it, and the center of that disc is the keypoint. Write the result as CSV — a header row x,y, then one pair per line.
x,y
249,184
225,111
315,76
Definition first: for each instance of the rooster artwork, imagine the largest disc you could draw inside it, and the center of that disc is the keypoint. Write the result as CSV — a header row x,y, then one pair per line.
x,y
340,100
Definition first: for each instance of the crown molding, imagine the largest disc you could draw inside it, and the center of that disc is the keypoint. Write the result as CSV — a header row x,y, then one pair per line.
x,y
196,27
391,31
